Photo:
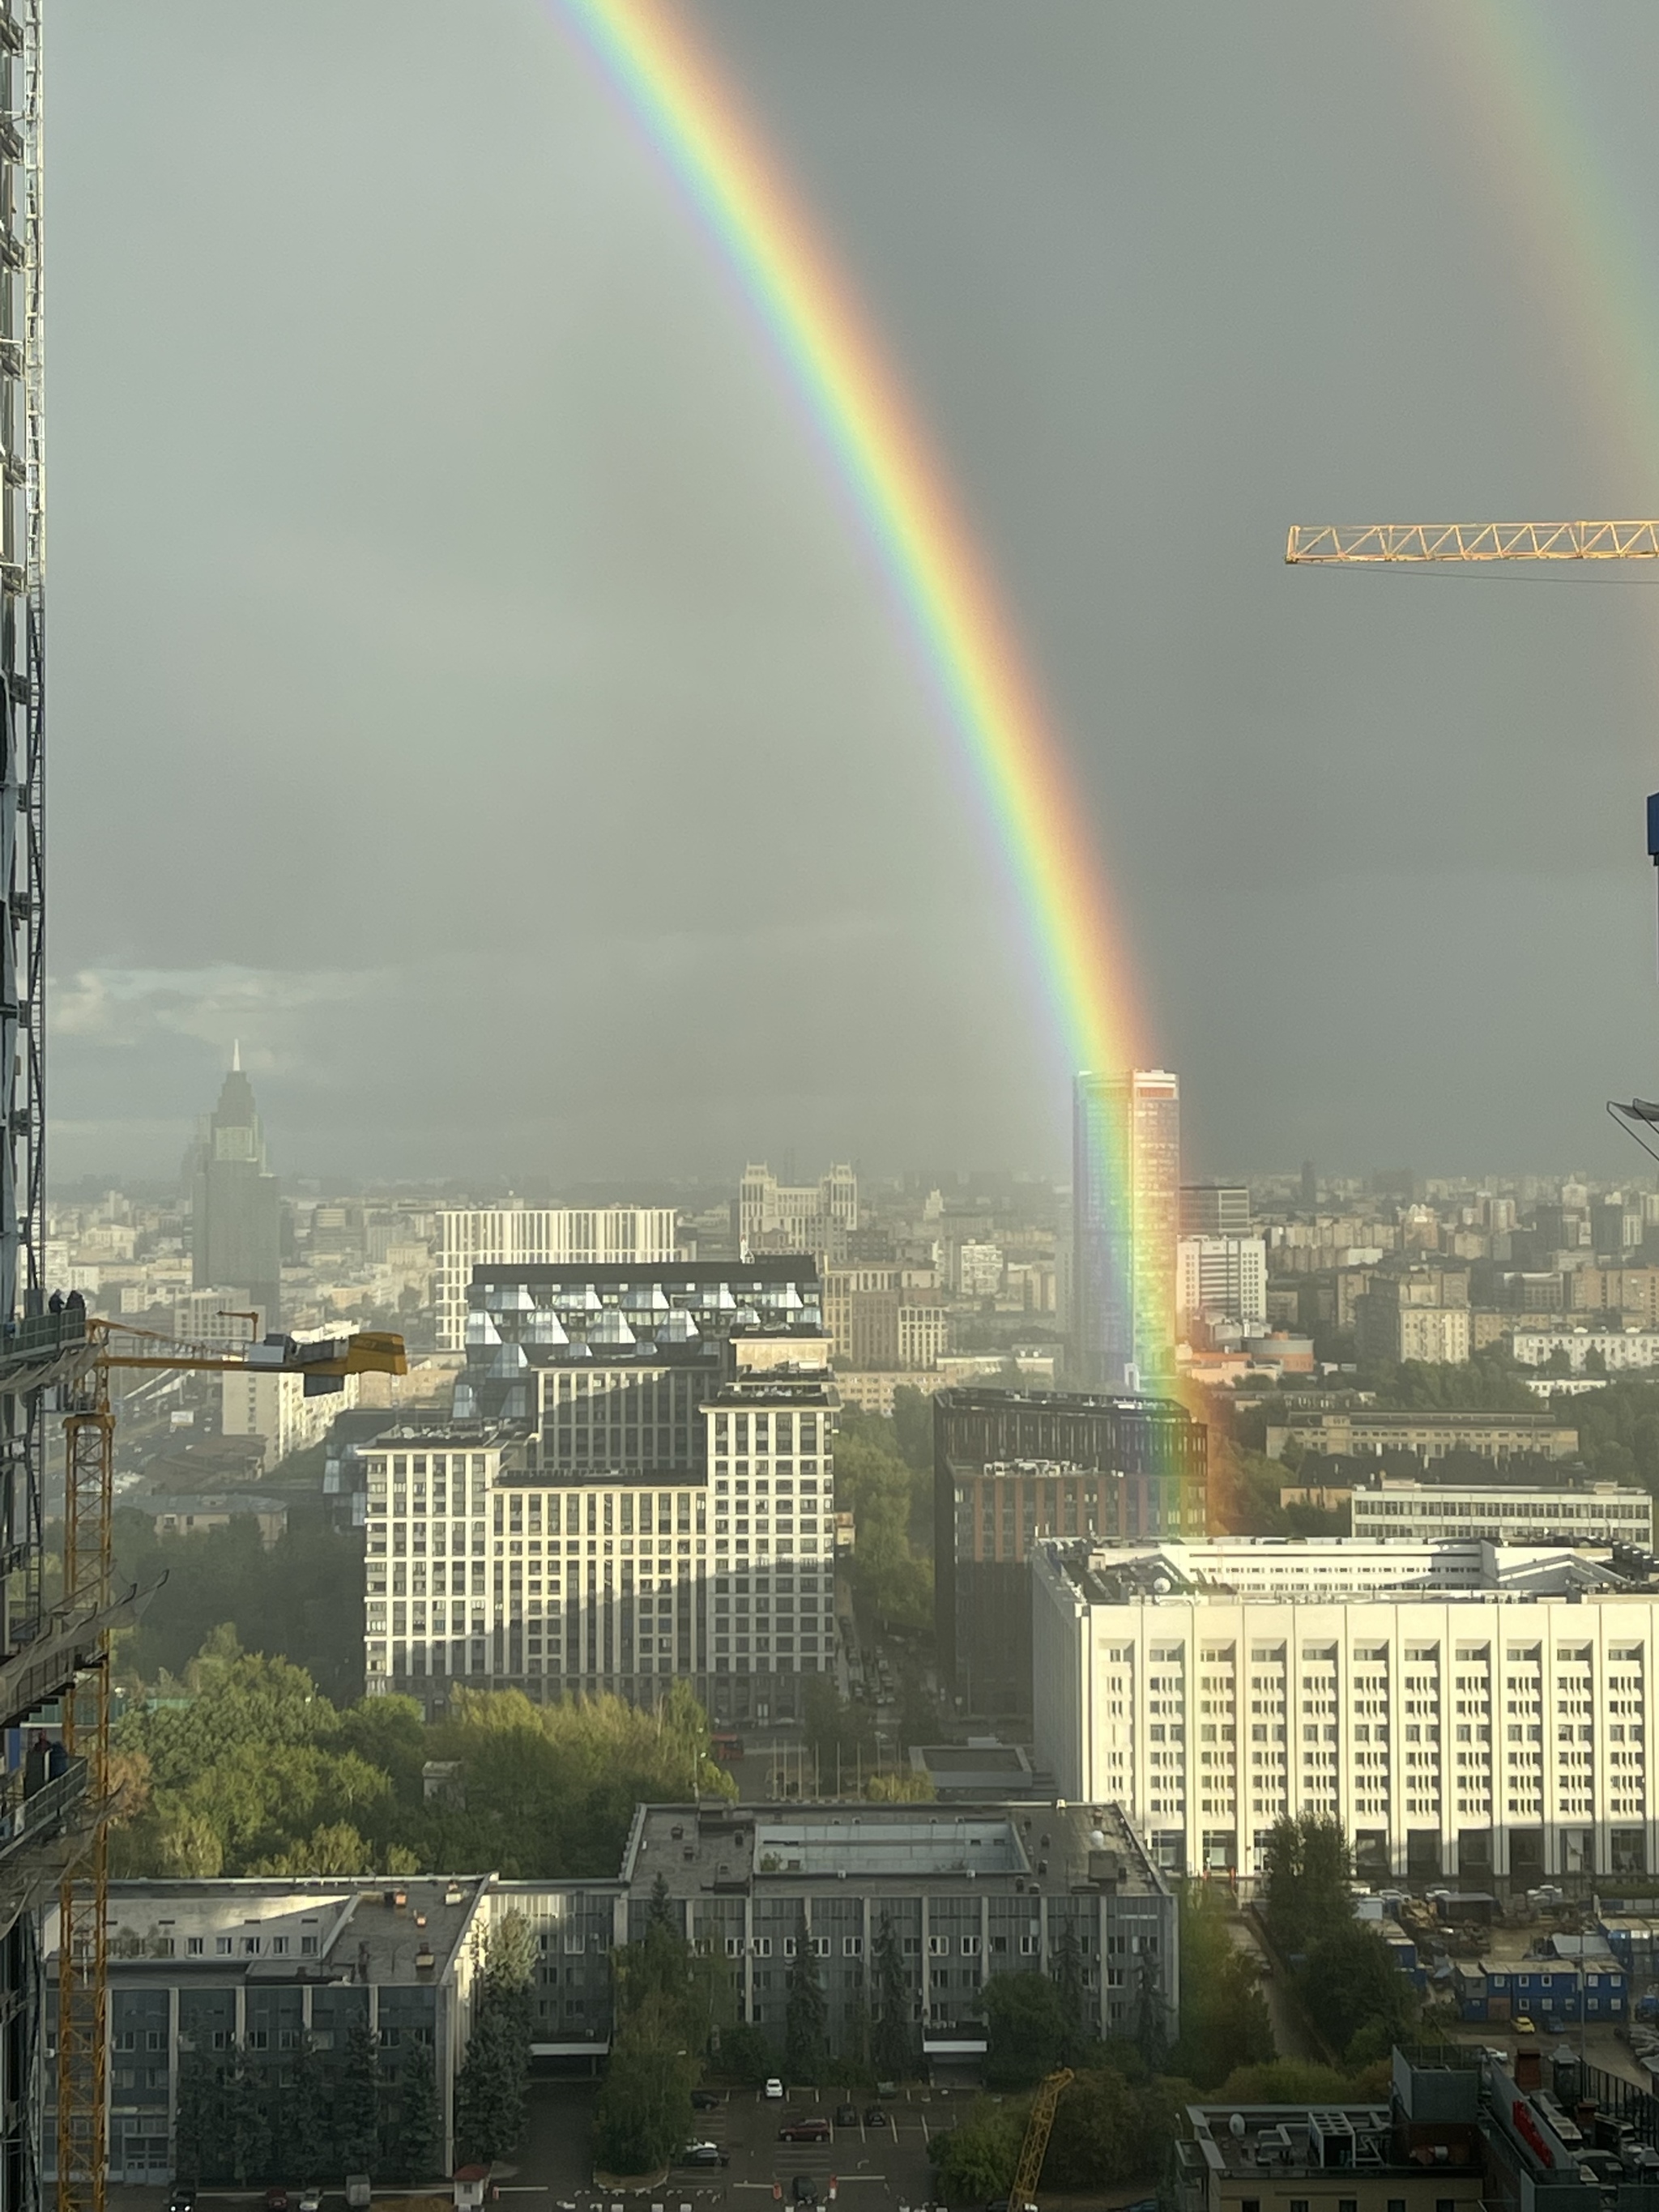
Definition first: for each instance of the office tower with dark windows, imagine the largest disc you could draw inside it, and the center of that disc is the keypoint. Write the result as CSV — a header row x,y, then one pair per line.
x,y
236,1215
1126,1200
1011,1468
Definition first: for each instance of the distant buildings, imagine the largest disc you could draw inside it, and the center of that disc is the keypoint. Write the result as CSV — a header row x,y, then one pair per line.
x,y
255,1402
880,1320
236,1216
1421,1314
1362,1432
1011,1468
1126,1182
1215,1209
553,1235
815,1217
1616,1349
1221,1277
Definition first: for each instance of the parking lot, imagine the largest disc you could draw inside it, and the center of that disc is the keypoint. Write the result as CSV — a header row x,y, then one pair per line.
x,y
872,2169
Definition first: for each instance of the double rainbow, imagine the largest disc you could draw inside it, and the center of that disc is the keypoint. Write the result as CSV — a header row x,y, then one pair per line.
x,y
1015,766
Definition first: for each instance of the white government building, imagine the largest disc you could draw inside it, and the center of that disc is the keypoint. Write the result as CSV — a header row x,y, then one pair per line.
x,y
1463,1709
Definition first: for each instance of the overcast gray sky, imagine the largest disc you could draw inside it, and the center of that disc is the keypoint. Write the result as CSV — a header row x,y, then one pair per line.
x,y
468,690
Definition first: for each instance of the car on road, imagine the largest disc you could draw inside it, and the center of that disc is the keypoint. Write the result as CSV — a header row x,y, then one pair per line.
x,y
874,2116
182,2196
703,2153
1523,2026
847,2116
706,2100
805,2127
774,2088
275,2199
804,2190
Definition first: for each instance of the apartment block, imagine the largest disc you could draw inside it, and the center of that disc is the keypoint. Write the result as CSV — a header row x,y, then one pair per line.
x,y
1615,1350
255,1403
1423,1314
1224,1277
1460,1709
1011,1468
602,1236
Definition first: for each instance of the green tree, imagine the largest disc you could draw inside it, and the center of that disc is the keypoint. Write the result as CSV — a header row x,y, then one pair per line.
x,y
644,2110
417,2147
489,2089
357,2101
1029,2026
977,2158
806,2041
1225,2021
1350,1983
201,2121
893,2039
1071,1976
1305,1881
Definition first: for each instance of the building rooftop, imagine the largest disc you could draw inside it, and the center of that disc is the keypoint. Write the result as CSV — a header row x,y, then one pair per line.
x,y
698,1849
1327,1569
279,1929
1259,2140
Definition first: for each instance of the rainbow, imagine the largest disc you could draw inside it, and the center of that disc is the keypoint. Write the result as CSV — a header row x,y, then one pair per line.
x,y
1017,766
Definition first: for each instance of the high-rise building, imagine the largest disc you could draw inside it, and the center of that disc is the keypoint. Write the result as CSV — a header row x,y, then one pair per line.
x,y
540,1236
1011,1468
1215,1209
1224,1277
638,1484
1126,1194
236,1220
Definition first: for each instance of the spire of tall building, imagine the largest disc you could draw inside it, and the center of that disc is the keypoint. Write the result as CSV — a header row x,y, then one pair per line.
x,y
236,1210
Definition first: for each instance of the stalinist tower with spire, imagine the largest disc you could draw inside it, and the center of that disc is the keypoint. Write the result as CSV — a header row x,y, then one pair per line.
x,y
237,1219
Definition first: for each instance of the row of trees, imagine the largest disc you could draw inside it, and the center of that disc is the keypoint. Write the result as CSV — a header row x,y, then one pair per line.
x,y
248,1769
884,1477
243,2118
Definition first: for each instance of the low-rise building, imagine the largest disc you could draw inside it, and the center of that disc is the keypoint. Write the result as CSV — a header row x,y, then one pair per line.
x,y
1388,1508
1615,1350
215,1986
1359,1433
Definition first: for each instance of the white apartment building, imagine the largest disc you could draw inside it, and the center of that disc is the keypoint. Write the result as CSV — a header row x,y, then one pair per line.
x,y
255,1402
485,1568
1222,1275
539,1236
1388,1509
1488,1728
1619,1348
979,1269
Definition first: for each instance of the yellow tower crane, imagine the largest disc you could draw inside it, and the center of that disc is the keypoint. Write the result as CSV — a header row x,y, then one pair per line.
x,y
1022,2196
88,1501
1382,544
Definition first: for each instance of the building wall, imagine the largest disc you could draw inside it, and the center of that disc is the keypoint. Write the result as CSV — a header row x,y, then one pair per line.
x,y
1223,1275
1126,1181
1434,1512
539,1236
1482,1735
262,1403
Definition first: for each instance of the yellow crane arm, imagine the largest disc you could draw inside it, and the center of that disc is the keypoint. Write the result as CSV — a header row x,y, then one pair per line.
x,y
1038,2129
374,1352
1363,545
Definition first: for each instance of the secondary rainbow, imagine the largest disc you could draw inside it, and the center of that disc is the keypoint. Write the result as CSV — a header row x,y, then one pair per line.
x,y
1018,768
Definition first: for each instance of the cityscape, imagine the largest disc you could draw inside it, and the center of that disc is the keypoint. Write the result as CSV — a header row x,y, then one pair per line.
x,y
730,1460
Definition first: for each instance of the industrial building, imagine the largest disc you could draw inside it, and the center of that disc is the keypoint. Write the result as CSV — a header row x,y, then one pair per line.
x,y
1013,1468
1460,1709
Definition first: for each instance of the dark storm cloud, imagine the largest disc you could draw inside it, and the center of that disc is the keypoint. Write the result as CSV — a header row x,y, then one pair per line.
x,y
466,689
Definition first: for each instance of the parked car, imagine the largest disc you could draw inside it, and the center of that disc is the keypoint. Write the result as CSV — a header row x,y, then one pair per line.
x,y
275,2199
704,2100
874,2116
311,2200
1523,2026
847,2116
804,2190
805,2127
773,2088
887,2088
182,2196
703,2153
